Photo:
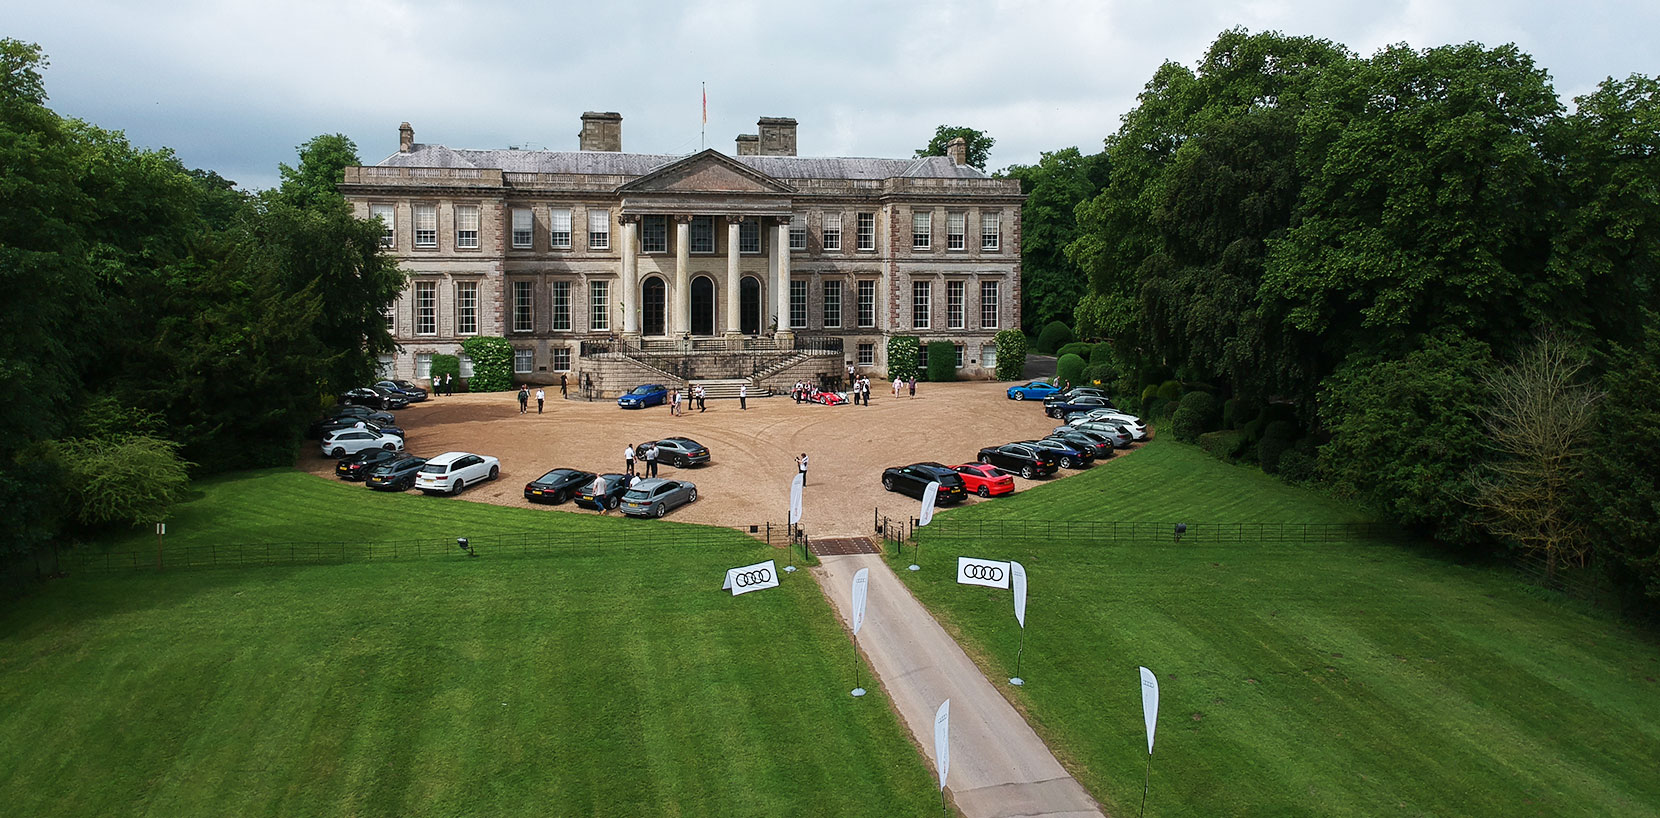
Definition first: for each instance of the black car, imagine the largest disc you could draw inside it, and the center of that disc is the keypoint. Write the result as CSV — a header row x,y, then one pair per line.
x,y
1075,392
914,479
357,466
1100,446
679,452
615,486
558,485
395,475
327,425
409,391
369,396
355,413
1016,458
1066,455
1079,403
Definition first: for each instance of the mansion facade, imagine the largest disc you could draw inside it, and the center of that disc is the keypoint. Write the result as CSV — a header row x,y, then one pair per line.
x,y
620,266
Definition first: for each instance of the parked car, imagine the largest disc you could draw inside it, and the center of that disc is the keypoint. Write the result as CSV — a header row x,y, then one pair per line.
x,y
352,441
1101,445
984,480
1079,403
356,466
1066,455
450,472
409,391
827,398
345,415
368,396
914,479
1076,392
615,486
1016,458
1121,437
558,485
396,475
646,394
1131,423
1036,390
653,497
329,426
679,452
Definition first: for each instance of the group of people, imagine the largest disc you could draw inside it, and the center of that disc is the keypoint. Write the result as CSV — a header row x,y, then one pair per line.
x,y
443,384
692,397
601,488
647,455
900,383
524,399
860,391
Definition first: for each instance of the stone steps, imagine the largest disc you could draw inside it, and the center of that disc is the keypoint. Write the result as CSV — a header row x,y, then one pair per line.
x,y
727,388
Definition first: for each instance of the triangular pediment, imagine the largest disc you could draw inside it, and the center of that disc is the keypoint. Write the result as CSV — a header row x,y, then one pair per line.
x,y
707,172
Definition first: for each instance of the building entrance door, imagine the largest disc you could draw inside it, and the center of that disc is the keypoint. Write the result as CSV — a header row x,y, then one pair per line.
x,y
653,307
749,308
703,306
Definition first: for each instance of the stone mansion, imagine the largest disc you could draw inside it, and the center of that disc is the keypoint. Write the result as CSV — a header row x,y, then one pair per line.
x,y
630,268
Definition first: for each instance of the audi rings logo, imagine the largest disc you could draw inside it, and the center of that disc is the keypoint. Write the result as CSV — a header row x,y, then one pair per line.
x,y
748,578
986,572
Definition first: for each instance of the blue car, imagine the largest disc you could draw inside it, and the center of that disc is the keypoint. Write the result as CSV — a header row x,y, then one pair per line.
x,y
646,394
1036,390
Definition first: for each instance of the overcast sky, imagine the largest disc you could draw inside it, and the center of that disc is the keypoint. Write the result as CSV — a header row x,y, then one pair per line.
x,y
235,86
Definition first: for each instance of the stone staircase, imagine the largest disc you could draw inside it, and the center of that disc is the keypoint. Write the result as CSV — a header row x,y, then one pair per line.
x,y
727,388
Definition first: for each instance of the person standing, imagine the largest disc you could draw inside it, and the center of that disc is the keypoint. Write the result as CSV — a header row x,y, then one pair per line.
x,y
524,399
801,465
628,459
449,384
562,391
896,384
540,398
588,385
651,459
913,386
743,396
866,382
702,399
599,488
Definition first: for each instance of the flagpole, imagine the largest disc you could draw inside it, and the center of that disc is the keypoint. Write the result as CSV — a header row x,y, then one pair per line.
x,y
703,130
1146,779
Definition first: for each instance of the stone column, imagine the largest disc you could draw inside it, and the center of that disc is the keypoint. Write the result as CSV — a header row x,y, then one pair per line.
x,y
781,251
629,297
682,320
734,280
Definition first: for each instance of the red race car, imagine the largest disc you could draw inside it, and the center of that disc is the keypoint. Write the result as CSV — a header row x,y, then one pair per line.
x,y
828,398
985,480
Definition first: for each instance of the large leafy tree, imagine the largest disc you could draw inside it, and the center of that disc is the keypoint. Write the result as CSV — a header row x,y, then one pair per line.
x,y
316,181
1050,283
979,144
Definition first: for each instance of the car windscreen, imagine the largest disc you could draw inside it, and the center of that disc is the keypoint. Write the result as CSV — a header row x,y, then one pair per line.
x,y
636,494
643,390
435,468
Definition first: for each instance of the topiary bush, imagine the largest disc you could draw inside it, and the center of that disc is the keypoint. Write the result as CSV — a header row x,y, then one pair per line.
x,y
1069,370
1269,452
1171,390
1195,416
1230,408
1222,445
1100,376
1053,337
942,361
1078,348
445,365
1301,463
1011,354
1155,409
1102,355
902,356
492,363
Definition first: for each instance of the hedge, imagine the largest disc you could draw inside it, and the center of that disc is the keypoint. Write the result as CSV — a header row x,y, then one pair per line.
x,y
1069,370
1053,337
1011,354
1081,349
492,363
942,361
1195,416
1101,355
445,365
902,356
1223,445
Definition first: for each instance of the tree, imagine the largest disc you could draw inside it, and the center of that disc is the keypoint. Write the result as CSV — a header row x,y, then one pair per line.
x,y
1050,283
1537,428
979,144
1620,493
323,163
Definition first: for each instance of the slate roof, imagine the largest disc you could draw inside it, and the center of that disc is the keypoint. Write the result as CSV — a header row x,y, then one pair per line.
x,y
639,164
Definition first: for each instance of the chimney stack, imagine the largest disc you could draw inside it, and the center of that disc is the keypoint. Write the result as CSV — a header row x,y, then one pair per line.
x,y
406,138
749,144
601,131
958,151
777,136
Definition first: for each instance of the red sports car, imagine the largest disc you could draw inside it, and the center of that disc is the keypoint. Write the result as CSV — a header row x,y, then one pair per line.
x,y
984,479
828,398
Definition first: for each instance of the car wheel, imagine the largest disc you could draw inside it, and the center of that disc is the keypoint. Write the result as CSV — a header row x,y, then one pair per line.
x,y
561,496
692,496
984,492
391,447
1066,462
887,483
1020,396
495,471
659,510
338,452
1051,413
985,458
459,485
612,503
682,462
1028,472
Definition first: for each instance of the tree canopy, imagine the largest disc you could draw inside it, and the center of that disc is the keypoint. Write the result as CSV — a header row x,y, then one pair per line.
x,y
979,144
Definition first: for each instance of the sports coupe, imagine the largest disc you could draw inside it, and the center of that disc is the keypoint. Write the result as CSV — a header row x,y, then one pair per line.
x,y
985,480
558,485
1036,390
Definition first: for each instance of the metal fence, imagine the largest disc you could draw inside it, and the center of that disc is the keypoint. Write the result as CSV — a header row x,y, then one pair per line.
x,y
1060,532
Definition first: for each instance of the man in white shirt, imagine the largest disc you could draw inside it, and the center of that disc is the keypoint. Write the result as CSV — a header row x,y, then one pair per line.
x,y
743,396
540,397
801,463
628,458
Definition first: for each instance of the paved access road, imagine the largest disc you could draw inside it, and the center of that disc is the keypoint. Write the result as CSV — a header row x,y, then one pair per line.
x,y
999,767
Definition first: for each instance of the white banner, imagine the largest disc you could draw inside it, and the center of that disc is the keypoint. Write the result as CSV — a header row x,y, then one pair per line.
x,y
861,582
929,494
942,739
751,578
989,573
796,483
1149,704
1017,574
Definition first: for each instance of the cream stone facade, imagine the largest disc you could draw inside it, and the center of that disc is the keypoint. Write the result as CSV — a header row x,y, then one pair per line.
x,y
762,266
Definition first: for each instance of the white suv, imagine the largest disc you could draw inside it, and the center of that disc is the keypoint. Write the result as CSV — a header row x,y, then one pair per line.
x,y
1131,423
450,472
351,441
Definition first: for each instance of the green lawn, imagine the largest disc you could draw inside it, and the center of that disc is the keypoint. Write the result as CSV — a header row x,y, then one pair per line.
x,y
1347,679
594,680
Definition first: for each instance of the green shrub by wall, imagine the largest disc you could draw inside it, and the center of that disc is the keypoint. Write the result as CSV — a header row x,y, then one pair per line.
x,y
942,361
1011,354
1069,370
902,356
492,363
1053,337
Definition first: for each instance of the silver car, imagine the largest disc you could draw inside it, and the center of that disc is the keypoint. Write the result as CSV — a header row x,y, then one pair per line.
x,y
1131,423
654,497
1120,437
352,441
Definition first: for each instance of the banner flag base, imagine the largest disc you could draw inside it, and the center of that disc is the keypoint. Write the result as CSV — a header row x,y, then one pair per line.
x,y
914,567
1017,681
857,692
